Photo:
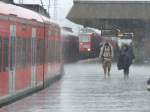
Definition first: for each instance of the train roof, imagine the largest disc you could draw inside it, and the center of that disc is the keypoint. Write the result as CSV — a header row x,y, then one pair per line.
x,y
10,9
64,31
90,30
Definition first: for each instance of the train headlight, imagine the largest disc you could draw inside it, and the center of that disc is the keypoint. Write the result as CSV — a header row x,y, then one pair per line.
x,y
81,43
89,49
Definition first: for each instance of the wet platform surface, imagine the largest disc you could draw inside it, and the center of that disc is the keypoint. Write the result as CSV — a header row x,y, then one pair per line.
x,y
84,89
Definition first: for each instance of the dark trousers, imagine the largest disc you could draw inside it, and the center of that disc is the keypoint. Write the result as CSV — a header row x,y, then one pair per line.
x,y
126,72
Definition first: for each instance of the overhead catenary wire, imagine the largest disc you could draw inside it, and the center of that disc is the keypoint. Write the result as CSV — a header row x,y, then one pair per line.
x,y
42,3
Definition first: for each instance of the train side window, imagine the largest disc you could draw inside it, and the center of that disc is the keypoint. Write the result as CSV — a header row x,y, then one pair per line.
x,y
24,52
38,50
49,53
29,50
6,43
18,51
41,50
32,51
12,51
0,53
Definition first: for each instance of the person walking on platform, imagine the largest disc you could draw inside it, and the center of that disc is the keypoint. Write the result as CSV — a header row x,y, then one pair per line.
x,y
148,84
106,55
125,59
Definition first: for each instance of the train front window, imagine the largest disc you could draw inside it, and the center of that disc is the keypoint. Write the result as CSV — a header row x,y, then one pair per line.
x,y
84,39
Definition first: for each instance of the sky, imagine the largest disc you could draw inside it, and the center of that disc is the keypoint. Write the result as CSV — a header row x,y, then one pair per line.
x,y
61,10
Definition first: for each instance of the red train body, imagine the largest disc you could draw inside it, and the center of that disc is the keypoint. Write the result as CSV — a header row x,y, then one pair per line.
x,y
30,51
89,40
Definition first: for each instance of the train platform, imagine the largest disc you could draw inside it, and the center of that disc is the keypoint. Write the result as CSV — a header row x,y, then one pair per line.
x,y
83,88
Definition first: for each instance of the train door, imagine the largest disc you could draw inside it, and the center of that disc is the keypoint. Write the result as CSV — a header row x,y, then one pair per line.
x,y
33,44
4,44
12,55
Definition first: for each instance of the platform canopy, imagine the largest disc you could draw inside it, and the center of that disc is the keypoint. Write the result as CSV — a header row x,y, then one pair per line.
x,y
97,13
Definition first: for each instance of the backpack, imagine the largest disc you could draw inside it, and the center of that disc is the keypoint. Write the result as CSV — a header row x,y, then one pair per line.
x,y
105,49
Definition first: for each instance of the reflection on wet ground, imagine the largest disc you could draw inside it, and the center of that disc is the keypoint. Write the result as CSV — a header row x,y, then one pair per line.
x,y
84,89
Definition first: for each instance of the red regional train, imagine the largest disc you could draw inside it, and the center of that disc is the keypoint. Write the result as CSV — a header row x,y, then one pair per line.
x,y
91,39
30,52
